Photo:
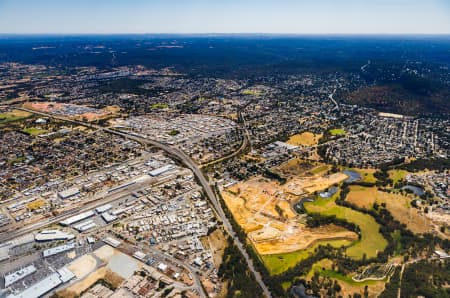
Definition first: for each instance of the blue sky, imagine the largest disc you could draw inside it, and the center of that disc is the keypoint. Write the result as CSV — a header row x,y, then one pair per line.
x,y
225,16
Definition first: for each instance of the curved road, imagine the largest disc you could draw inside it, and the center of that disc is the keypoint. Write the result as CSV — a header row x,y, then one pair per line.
x,y
244,145
188,162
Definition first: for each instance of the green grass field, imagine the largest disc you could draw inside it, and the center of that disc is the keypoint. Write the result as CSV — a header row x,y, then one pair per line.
x,y
159,106
13,116
337,132
371,240
397,237
397,175
278,263
173,132
33,131
319,169
323,269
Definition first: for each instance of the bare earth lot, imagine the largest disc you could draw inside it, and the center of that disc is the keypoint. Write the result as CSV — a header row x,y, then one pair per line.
x,y
263,209
306,139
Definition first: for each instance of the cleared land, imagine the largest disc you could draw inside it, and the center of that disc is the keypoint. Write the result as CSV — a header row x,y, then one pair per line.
x,y
371,240
114,268
81,267
294,167
304,139
217,242
302,185
263,209
61,108
91,279
397,204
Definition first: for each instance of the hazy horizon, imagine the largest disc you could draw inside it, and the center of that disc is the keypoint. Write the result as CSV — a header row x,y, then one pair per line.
x,y
284,17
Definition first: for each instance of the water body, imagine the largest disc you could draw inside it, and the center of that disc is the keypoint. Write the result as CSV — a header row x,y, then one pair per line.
x,y
299,207
329,193
418,191
299,291
353,176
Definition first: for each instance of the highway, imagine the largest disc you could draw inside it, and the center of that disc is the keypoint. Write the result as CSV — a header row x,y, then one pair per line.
x,y
189,163
333,100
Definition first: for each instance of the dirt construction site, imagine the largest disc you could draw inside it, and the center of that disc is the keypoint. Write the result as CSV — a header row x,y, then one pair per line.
x,y
304,185
262,207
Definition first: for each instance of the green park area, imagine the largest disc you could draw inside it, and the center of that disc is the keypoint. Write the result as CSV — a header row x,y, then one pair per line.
x,y
159,106
337,132
371,241
319,169
250,92
33,131
397,175
323,268
173,132
279,263
13,116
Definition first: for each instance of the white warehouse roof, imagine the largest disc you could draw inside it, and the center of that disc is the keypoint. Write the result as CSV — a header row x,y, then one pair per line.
x,y
103,208
58,249
108,217
40,288
44,286
77,218
15,276
65,274
65,194
111,241
159,171
84,226
50,235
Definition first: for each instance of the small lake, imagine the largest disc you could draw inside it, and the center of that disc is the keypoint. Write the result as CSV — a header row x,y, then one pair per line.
x,y
353,176
299,208
418,191
299,291
329,193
